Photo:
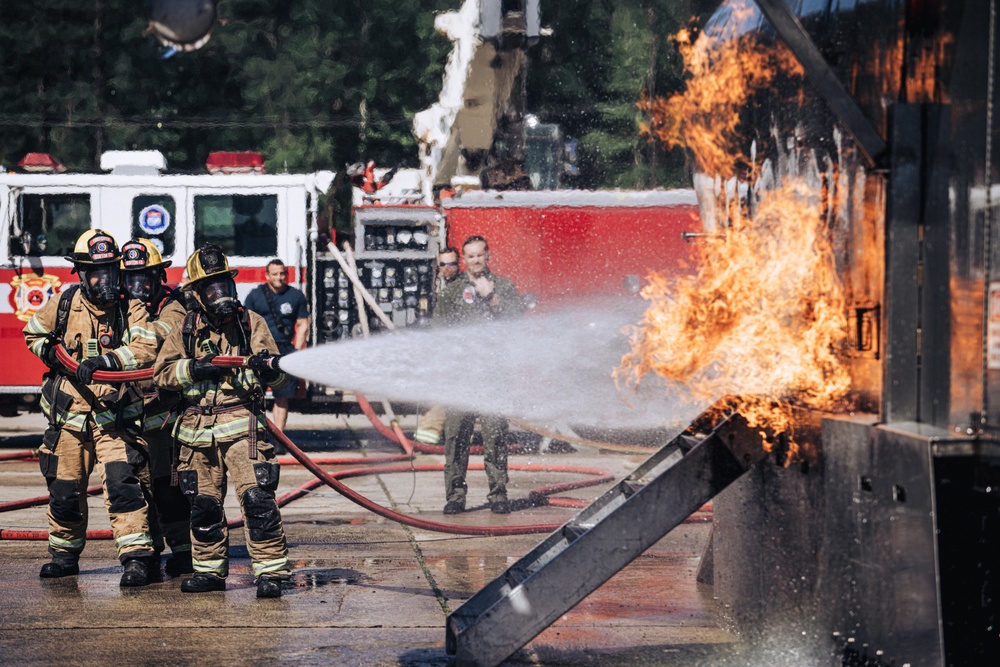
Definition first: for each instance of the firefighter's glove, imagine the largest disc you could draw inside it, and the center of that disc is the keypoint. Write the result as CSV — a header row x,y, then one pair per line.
x,y
106,362
203,369
264,366
49,355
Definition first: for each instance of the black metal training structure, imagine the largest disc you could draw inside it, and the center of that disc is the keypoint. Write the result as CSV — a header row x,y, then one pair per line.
x,y
884,548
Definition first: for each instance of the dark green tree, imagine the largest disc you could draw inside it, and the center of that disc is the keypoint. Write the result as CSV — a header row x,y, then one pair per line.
x,y
315,84
587,77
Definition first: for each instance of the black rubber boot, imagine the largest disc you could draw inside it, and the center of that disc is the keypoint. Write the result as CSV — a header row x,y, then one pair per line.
x,y
203,583
136,572
269,587
179,563
500,507
454,507
56,569
153,572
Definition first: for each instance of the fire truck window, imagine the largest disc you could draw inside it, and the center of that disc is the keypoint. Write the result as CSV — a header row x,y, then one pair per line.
x,y
48,225
242,225
153,219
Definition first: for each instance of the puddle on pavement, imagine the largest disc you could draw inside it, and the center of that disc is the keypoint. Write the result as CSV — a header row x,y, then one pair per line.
x,y
312,579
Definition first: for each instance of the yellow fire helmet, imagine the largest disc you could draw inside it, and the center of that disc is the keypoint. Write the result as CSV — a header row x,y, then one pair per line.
x,y
94,247
206,262
141,254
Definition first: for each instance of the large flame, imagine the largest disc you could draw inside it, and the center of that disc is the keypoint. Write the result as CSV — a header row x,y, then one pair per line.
x,y
762,319
765,315
725,72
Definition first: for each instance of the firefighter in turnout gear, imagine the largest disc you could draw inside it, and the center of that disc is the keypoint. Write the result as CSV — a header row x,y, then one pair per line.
x,y
90,422
145,278
222,427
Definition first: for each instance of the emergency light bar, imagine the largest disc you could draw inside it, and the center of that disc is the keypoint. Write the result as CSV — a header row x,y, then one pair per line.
x,y
238,162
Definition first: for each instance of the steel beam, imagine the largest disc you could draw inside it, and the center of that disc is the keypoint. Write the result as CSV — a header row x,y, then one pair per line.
x,y
602,539
869,141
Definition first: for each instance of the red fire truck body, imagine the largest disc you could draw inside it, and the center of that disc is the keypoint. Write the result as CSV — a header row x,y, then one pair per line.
x,y
561,246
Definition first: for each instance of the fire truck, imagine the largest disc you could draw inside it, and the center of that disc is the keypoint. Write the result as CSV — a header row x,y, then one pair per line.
x,y
253,216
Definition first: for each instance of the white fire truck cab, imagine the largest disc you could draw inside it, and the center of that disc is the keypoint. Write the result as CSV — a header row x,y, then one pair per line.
x,y
252,215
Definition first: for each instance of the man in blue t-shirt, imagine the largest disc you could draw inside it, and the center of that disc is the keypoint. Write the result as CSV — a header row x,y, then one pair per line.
x,y
287,315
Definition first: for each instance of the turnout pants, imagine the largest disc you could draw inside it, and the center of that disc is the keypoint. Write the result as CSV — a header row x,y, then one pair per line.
x,y
202,475
67,467
458,429
170,518
430,425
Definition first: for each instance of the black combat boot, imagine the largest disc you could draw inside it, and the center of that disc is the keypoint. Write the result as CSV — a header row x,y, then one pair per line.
x,y
136,572
58,568
202,582
269,587
179,563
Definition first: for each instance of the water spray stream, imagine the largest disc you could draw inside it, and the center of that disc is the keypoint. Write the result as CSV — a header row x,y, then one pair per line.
x,y
546,368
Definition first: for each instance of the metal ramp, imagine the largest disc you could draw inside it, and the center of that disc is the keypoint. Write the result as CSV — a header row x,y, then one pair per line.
x,y
598,542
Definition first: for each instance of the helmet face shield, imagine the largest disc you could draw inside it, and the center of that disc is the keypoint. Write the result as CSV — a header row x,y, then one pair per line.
x,y
101,284
218,295
142,284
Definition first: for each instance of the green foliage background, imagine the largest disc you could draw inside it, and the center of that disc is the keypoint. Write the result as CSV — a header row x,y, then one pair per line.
x,y
315,84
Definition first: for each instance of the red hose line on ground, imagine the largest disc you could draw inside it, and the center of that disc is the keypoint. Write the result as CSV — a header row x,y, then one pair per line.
x,y
392,515
19,456
43,535
345,460
39,500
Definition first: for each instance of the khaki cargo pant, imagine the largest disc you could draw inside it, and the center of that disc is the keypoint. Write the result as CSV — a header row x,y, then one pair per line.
x,y
202,473
124,471
458,429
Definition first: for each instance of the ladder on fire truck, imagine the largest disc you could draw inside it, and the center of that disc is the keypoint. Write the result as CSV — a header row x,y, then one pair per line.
x,y
599,541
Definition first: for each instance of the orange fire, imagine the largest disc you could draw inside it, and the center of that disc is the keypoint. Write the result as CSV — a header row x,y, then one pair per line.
x,y
765,316
762,319
725,73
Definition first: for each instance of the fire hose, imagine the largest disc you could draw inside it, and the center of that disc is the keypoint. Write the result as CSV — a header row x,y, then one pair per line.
x,y
598,476
18,456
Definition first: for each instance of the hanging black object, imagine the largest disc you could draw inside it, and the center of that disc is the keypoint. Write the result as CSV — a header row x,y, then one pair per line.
x,y
183,25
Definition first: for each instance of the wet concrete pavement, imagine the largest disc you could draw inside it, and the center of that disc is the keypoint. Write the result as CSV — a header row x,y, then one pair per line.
x,y
366,591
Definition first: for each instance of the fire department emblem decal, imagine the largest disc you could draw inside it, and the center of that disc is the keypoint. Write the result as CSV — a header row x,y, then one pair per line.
x,y
135,255
100,248
469,294
31,292
154,219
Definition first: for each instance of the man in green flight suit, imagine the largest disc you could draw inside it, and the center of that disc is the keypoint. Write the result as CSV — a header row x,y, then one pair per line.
x,y
478,295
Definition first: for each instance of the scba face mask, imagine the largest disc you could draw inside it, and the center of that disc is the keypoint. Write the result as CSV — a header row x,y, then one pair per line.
x,y
218,295
141,284
101,284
